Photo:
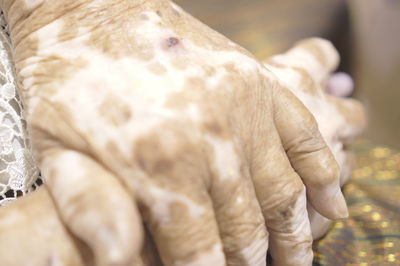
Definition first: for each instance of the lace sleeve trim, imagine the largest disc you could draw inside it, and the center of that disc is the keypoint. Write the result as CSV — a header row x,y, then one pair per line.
x,y
18,172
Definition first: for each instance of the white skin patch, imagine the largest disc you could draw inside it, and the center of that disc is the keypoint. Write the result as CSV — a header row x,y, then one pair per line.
x,y
302,58
190,52
83,88
305,59
114,253
31,4
214,257
67,160
215,58
255,254
162,199
193,112
11,219
144,90
239,200
321,110
227,161
55,260
318,106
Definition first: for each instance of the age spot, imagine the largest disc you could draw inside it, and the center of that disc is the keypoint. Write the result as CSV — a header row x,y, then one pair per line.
x,y
172,42
115,111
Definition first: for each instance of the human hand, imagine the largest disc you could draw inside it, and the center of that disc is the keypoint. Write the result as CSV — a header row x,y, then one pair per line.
x,y
340,120
145,105
31,233
38,211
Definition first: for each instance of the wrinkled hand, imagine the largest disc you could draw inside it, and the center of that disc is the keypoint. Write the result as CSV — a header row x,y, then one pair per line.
x,y
340,120
142,106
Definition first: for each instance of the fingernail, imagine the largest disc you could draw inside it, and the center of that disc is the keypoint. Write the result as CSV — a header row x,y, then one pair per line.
x,y
340,84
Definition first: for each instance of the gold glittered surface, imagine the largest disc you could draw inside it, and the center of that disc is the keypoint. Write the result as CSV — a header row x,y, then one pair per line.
x,y
371,234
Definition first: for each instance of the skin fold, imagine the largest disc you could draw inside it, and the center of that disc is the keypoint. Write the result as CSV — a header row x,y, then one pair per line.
x,y
140,113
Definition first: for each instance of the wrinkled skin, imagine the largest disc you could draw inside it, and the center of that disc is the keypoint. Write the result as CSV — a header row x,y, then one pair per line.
x,y
340,120
134,106
35,216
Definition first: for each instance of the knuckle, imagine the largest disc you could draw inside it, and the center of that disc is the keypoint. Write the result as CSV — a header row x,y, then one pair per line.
x,y
328,169
310,139
283,206
287,209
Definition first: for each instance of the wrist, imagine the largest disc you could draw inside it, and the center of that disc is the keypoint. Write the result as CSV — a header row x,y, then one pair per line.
x,y
28,16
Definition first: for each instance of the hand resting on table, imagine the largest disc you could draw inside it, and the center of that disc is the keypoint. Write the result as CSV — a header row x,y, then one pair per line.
x,y
138,107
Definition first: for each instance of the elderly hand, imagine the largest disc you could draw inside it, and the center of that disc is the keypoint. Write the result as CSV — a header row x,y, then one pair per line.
x,y
340,120
137,105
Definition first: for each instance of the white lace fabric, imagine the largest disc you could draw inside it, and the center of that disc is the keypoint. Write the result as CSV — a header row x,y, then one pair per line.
x,y
18,172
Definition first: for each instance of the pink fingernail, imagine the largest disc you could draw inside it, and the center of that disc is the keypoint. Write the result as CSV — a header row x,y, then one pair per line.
x,y
340,84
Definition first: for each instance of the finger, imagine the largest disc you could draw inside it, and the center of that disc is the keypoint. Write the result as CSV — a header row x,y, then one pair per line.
x,y
307,66
183,227
347,161
27,226
285,250
240,220
93,204
354,117
283,201
347,167
309,155
347,115
175,203
319,224
315,55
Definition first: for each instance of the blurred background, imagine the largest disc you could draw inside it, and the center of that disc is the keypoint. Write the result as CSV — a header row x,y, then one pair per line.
x,y
366,32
